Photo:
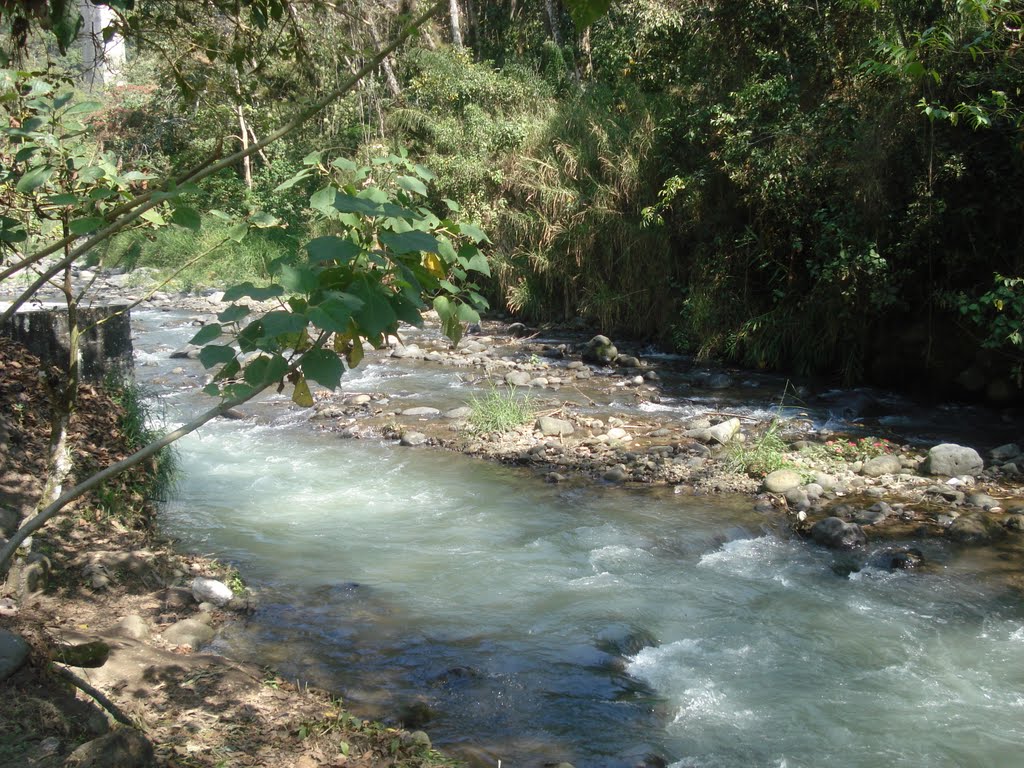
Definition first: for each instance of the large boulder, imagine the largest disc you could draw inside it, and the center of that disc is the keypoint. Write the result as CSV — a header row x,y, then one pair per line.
x,y
206,590
886,464
975,528
951,460
600,351
549,426
835,533
782,480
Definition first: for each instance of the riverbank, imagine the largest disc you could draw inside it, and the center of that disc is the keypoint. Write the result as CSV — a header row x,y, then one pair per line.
x,y
105,601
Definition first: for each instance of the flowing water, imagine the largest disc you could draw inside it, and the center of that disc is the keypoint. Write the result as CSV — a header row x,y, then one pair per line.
x,y
596,624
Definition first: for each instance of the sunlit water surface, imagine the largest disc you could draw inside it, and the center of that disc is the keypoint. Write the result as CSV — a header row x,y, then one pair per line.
x,y
597,625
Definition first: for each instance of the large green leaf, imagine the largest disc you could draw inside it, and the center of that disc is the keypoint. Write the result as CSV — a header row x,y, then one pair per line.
x,y
410,242
281,323
264,369
474,233
236,292
323,367
214,354
332,248
412,184
85,226
34,179
298,279
352,204
335,313
206,334
234,313
83,108
376,314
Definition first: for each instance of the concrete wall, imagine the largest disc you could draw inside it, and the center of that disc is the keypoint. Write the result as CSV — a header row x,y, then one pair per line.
x,y
105,345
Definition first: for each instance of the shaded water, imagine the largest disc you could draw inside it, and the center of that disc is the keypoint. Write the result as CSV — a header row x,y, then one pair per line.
x,y
598,625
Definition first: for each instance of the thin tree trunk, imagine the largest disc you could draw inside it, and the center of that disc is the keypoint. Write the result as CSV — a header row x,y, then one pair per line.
x,y
454,17
243,130
389,72
556,35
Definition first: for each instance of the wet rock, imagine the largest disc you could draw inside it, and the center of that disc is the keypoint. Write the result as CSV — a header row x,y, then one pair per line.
x,y
13,653
725,431
421,411
185,353
415,714
194,632
1014,522
627,361
782,480
462,412
617,474
554,477
797,499
206,590
123,748
951,460
838,534
905,559
982,500
518,330
876,514
518,378
410,351
600,351
1005,453
947,492
886,464
412,439
976,528
549,426
360,399
720,381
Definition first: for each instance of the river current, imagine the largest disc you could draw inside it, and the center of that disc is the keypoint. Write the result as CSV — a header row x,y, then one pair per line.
x,y
593,624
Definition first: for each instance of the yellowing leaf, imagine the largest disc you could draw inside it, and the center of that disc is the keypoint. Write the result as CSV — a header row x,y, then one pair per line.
x,y
433,265
302,396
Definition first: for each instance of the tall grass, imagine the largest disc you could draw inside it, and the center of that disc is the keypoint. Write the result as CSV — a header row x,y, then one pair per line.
x,y
227,262
137,426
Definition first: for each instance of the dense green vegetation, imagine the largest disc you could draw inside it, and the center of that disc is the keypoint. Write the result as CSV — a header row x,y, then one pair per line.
x,y
828,188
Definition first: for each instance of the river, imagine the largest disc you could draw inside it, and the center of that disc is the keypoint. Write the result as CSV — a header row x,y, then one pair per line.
x,y
595,624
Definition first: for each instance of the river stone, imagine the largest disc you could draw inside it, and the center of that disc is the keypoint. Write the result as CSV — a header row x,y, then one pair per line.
x,y
193,632
627,361
886,464
362,399
600,351
411,439
13,653
838,534
725,431
720,381
462,412
1014,522
871,516
782,480
975,528
411,350
422,411
1004,453
616,474
549,426
618,433
905,559
951,460
797,499
123,748
701,435
518,330
518,378
206,590
982,500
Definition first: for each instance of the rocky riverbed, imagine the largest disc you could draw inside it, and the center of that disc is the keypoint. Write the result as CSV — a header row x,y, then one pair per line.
x,y
599,417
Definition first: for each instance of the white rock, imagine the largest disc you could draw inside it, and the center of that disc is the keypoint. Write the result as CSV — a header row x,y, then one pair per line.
x,y
206,590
